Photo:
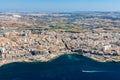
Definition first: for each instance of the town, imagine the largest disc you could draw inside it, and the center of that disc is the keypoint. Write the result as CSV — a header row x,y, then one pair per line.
x,y
43,36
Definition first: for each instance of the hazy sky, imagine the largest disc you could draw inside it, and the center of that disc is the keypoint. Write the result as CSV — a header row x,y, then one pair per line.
x,y
60,5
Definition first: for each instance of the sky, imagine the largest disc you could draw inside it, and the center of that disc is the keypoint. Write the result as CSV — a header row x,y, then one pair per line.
x,y
59,5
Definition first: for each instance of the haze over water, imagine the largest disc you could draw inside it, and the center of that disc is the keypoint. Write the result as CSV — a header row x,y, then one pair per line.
x,y
59,5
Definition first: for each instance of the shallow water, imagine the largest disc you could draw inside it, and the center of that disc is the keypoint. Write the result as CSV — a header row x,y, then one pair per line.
x,y
66,67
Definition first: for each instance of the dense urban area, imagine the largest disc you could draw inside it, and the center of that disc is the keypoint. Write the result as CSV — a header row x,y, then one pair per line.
x,y
44,36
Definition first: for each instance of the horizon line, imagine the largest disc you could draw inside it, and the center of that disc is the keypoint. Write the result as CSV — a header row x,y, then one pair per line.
x,y
55,11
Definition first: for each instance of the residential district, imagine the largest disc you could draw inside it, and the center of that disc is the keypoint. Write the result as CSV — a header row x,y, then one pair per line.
x,y
22,39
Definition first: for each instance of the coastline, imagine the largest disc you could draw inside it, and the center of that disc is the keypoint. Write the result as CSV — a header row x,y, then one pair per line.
x,y
51,44
103,59
43,59
51,57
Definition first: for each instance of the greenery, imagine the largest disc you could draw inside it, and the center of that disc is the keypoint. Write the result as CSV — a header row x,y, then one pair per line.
x,y
67,27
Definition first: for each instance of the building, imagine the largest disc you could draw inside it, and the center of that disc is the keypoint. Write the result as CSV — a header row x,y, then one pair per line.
x,y
106,47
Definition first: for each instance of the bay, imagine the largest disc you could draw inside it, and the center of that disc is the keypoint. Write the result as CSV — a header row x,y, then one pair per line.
x,y
65,67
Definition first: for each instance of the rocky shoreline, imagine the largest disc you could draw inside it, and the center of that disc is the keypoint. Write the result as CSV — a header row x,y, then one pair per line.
x,y
45,45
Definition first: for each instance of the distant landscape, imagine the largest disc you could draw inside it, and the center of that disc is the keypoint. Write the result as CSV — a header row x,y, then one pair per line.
x,y
71,21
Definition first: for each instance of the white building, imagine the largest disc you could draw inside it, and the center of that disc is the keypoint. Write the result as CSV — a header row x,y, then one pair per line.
x,y
106,47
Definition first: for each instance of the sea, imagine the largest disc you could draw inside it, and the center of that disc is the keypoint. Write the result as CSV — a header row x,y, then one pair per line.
x,y
65,67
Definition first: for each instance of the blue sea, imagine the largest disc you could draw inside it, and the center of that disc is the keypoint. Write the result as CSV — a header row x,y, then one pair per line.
x,y
65,67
